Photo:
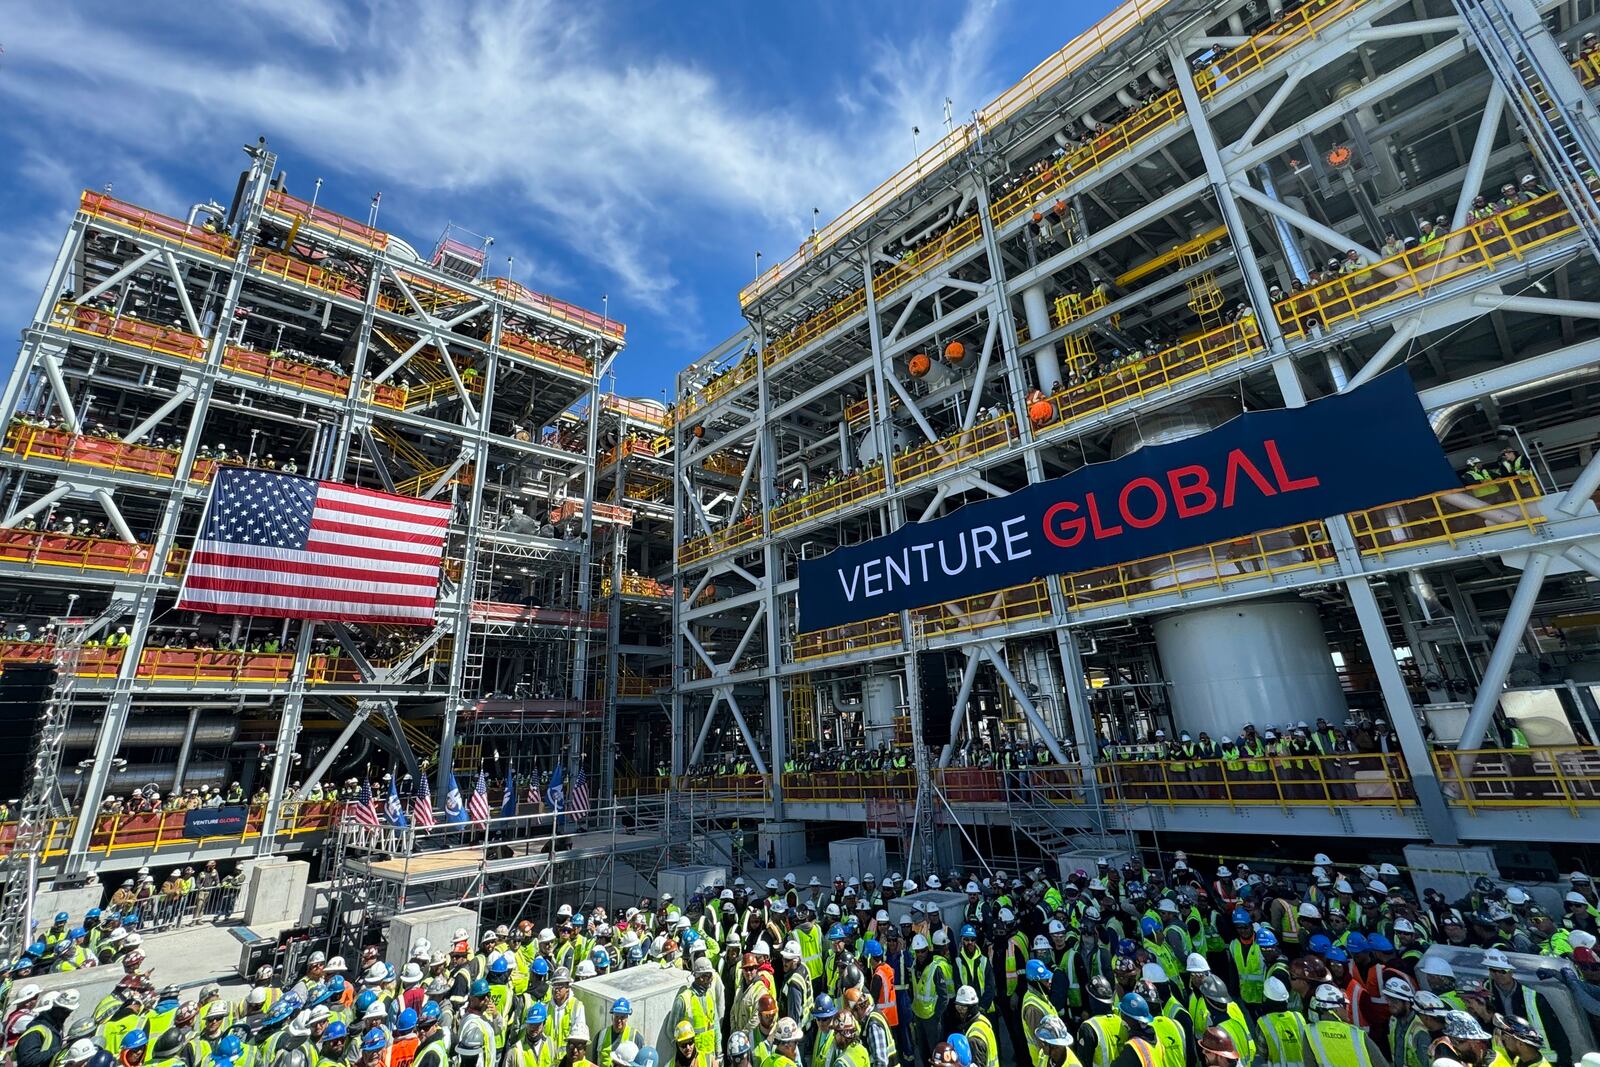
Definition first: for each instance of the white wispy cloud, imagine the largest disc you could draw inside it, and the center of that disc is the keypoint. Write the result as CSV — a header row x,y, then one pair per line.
x,y
522,104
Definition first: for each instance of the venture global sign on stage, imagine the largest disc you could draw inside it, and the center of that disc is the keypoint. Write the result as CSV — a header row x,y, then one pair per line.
x,y
1260,471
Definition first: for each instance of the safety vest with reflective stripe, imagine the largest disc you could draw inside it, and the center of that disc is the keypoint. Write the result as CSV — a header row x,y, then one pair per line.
x,y
1530,1002
1239,1030
887,1005
981,1030
810,948
877,1018
1109,1032
1169,1039
1163,955
1016,960
1337,1044
1252,972
1147,1053
925,995
1284,1035
974,969
609,1038
534,1052
822,1055
702,1015
802,985
854,1056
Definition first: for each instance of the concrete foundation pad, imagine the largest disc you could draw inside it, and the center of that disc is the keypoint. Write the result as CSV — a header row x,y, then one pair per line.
x,y
74,901
436,925
275,891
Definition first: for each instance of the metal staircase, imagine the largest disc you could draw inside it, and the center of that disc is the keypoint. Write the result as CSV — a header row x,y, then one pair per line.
x,y
1547,98
42,798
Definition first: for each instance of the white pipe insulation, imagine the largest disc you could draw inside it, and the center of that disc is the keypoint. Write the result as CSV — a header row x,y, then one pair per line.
x,y
1037,311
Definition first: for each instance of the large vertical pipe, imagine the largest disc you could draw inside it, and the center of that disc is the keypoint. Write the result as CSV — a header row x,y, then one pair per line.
x,y
1506,647
184,750
1045,361
969,674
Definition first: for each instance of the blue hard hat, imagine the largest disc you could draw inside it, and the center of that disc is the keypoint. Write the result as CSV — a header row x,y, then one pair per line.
x,y
37,949
1320,944
874,949
824,1007
1338,955
961,1047
319,994
967,930
851,924
334,1032
1149,927
280,1013
499,965
537,1014
1125,947
601,957
406,1021
336,984
1356,942
690,936
541,967
1241,917
480,988
430,1012
135,1039
219,1060
374,1040
1379,943
578,920
1266,938
77,932
62,917
368,997
636,954
836,932
1134,1007
620,1006
1038,971
92,913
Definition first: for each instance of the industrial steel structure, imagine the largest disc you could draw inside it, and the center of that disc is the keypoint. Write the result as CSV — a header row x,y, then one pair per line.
x,y
1190,211
274,332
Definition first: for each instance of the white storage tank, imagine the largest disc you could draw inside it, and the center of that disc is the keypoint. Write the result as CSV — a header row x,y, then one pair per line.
x,y
1264,662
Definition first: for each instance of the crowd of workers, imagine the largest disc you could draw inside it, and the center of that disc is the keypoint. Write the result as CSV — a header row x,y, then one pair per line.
x,y
1115,967
222,453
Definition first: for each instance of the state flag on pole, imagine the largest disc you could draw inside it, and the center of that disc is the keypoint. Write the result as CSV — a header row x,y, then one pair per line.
x,y
394,809
287,547
508,799
454,811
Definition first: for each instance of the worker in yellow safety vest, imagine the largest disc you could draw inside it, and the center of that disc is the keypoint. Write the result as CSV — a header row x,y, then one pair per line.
x,y
1228,1015
1057,1043
1331,1040
1283,1030
979,1031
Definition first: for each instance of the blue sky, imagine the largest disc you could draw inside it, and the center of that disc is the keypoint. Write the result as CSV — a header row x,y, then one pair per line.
x,y
639,150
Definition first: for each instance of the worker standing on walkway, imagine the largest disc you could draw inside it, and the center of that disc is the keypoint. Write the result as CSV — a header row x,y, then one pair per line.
x,y
931,990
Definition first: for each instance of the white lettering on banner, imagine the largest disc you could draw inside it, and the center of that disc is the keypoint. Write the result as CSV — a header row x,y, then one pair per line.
x,y
878,576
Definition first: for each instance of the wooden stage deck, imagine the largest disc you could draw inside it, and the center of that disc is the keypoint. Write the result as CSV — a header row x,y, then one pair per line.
x,y
525,854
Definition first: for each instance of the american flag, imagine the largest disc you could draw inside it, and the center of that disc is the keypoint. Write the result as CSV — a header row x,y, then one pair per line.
x,y
578,802
364,811
287,547
422,804
478,804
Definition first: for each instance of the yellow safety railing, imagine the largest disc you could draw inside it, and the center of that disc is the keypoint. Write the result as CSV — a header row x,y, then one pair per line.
x,y
1377,779
1262,555
650,490
154,224
1139,377
725,463
157,830
1449,516
829,499
1070,307
1587,67
958,448
727,786
128,329
931,253
636,410
637,585
849,787
1030,600
1080,50
742,532
641,785
1555,776
1477,247
860,409
62,446
721,385
851,637
1295,29
815,326
641,685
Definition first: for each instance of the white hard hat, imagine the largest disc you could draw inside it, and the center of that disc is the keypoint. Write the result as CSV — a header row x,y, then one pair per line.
x,y
966,996
1321,859
1274,989
1040,942
1057,926
1496,960
941,937
1581,939
1309,910
791,950
1153,972
82,1051
1328,997
258,995
1404,926
1397,988
1388,870
761,948
1167,905
1436,967
1515,895
26,993
933,882
919,943
1196,964
623,1054
972,887
376,975
1007,916
1343,886
586,969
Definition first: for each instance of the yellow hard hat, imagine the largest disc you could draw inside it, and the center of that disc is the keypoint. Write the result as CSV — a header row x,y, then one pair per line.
x,y
684,1032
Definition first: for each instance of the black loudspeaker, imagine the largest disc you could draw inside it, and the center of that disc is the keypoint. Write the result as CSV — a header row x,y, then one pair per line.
x,y
24,689
936,700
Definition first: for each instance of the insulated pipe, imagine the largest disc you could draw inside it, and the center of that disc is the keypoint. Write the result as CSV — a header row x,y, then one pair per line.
x,y
1159,79
969,675
840,703
1126,99
1505,651
1478,161
1037,312
1291,249
1575,309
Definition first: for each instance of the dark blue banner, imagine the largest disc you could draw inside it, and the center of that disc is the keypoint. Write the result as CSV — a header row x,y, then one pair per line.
x,y
1261,471
215,822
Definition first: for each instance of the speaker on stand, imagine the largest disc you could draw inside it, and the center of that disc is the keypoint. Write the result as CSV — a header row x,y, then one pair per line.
x,y
24,691
935,699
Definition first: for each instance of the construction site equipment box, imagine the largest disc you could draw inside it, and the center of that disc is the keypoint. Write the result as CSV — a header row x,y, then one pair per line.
x,y
651,990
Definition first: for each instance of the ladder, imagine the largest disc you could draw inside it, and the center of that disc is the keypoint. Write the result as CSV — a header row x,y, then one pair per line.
x,y
42,799
1205,298
1546,97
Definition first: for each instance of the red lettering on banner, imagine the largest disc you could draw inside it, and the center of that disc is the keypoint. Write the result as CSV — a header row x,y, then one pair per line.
x,y
1287,484
1156,516
1238,461
1101,533
1183,493
1074,528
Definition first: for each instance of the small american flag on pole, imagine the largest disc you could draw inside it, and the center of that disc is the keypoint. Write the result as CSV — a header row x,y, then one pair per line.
x,y
578,799
364,811
422,805
478,804
282,546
